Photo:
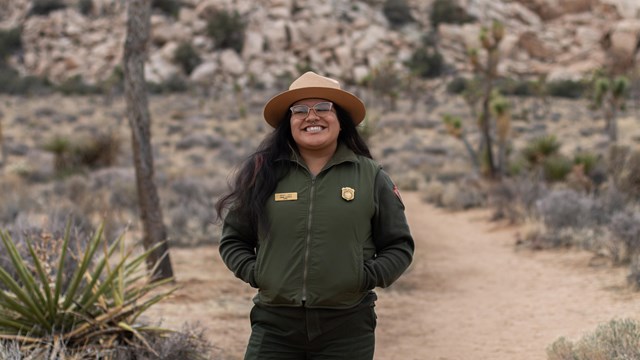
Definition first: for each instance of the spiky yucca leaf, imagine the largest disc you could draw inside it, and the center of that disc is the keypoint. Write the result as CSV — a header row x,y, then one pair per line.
x,y
101,304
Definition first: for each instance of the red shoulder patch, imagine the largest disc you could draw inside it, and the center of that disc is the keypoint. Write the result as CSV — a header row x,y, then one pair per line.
x,y
397,192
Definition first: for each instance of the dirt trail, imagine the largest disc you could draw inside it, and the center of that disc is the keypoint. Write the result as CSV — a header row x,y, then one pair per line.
x,y
468,296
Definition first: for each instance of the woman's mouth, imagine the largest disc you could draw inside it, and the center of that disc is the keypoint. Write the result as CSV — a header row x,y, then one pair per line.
x,y
313,129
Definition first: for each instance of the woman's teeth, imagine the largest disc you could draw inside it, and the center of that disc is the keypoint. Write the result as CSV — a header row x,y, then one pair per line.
x,y
314,128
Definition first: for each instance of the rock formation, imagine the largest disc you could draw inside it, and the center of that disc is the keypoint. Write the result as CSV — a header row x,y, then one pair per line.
x,y
345,39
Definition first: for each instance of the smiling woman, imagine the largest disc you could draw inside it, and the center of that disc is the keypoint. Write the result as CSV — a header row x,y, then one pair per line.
x,y
315,225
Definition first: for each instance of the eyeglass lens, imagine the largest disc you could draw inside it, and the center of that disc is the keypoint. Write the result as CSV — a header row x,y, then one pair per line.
x,y
321,109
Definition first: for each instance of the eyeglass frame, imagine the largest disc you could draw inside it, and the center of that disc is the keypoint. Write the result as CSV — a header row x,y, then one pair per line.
x,y
309,108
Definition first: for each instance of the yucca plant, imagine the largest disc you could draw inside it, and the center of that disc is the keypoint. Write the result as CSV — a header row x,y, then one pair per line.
x,y
99,307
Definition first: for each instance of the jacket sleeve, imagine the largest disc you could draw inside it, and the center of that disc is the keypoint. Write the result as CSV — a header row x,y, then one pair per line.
x,y
391,236
238,248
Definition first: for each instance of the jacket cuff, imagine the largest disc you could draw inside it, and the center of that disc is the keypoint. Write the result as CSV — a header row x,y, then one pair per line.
x,y
370,277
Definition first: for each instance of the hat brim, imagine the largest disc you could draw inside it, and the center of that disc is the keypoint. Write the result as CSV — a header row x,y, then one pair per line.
x,y
278,106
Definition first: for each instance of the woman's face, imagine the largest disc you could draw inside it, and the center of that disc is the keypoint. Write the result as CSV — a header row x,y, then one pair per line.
x,y
317,129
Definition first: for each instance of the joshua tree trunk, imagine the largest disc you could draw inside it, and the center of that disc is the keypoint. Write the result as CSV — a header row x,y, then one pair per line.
x,y
138,24
612,123
485,127
472,154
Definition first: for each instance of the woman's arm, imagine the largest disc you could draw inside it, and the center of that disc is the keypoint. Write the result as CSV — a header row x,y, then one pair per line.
x,y
238,248
391,235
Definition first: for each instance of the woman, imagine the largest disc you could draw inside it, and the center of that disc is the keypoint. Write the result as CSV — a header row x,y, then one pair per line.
x,y
315,225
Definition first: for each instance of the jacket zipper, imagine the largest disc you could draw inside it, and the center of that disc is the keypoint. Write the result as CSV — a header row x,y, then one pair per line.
x,y
308,240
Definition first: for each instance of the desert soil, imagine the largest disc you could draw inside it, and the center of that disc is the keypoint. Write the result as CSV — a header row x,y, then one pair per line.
x,y
468,295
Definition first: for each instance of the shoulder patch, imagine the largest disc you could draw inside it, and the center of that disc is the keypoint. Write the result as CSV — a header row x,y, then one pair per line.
x,y
397,192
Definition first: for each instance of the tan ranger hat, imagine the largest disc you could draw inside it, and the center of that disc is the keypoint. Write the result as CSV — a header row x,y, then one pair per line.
x,y
313,86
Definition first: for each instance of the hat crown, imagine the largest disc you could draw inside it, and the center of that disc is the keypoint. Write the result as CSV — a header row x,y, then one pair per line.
x,y
311,79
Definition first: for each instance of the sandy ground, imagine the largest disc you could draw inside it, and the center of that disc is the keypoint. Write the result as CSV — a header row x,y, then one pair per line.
x,y
468,295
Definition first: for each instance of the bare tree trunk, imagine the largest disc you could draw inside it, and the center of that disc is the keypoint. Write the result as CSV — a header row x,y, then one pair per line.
x,y
3,152
138,24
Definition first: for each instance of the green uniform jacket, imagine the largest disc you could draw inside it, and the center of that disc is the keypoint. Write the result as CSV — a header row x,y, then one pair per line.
x,y
332,238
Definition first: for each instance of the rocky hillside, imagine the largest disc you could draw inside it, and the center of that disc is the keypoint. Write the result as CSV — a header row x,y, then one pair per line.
x,y
346,39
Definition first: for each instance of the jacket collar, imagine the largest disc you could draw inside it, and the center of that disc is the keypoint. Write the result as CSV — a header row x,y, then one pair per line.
x,y
342,154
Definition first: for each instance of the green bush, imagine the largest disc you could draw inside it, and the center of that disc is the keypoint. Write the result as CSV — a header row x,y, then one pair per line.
x,y
570,89
74,154
587,160
85,7
616,340
448,12
556,168
227,30
77,86
187,57
45,7
426,61
12,83
175,84
169,7
540,148
514,87
397,12
457,86
10,41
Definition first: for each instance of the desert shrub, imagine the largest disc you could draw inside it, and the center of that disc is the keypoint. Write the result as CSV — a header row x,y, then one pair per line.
x,y
571,89
617,156
91,151
515,87
426,61
584,238
625,228
169,7
556,168
457,85
85,7
187,57
432,192
190,343
448,12
226,29
467,193
540,148
77,86
587,160
564,209
385,80
12,83
629,176
398,12
10,41
191,209
515,198
174,84
633,278
615,340
44,7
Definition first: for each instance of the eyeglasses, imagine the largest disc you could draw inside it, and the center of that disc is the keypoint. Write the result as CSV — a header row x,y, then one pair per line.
x,y
321,109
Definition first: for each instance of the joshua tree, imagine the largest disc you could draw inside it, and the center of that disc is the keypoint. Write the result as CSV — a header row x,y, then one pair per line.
x,y
155,232
610,96
487,71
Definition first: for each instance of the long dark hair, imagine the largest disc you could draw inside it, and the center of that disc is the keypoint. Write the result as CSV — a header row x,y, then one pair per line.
x,y
258,175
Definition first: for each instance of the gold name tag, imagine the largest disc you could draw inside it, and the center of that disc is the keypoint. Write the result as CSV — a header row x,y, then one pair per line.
x,y
287,196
